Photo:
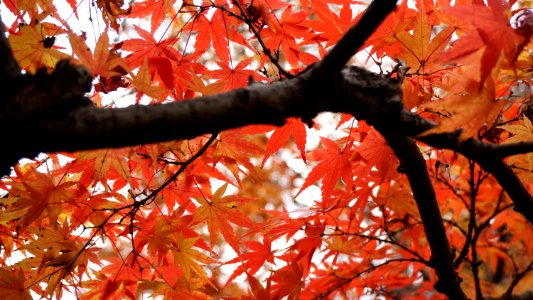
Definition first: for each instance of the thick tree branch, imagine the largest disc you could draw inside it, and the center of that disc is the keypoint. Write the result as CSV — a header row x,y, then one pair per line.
x,y
53,112
352,40
9,69
505,150
414,166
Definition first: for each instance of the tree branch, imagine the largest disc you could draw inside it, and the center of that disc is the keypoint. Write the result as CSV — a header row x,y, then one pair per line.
x,y
52,110
352,40
489,157
511,184
505,150
414,166
9,70
63,121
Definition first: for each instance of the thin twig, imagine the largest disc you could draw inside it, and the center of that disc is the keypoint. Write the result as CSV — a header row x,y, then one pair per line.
x,y
266,50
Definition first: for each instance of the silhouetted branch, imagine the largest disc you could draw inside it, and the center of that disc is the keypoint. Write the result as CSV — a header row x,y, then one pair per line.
x,y
352,40
505,150
413,165
52,110
488,156
9,68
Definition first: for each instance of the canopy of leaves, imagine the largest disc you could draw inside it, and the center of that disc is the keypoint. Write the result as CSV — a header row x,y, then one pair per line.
x,y
264,212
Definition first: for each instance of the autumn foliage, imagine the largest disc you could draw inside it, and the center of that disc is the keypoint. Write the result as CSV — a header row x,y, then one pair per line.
x,y
306,210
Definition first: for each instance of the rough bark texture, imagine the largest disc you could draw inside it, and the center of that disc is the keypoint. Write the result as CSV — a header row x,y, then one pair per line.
x,y
49,112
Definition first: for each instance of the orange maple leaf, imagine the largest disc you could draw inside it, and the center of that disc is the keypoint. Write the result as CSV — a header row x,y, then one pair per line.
x,y
279,137
421,48
101,165
12,285
143,82
43,194
102,62
176,286
105,288
202,88
383,40
218,211
398,198
250,262
233,150
288,281
521,133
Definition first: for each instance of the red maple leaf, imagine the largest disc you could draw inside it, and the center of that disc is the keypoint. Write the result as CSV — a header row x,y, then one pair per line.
x,y
288,281
233,76
330,26
156,9
148,47
283,40
334,165
379,156
250,262
293,127
491,34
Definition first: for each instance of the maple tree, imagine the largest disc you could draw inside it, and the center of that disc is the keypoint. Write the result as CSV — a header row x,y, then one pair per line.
x,y
423,191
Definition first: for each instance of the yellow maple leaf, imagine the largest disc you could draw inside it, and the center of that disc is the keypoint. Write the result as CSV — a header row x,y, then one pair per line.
x,y
188,258
33,49
521,133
